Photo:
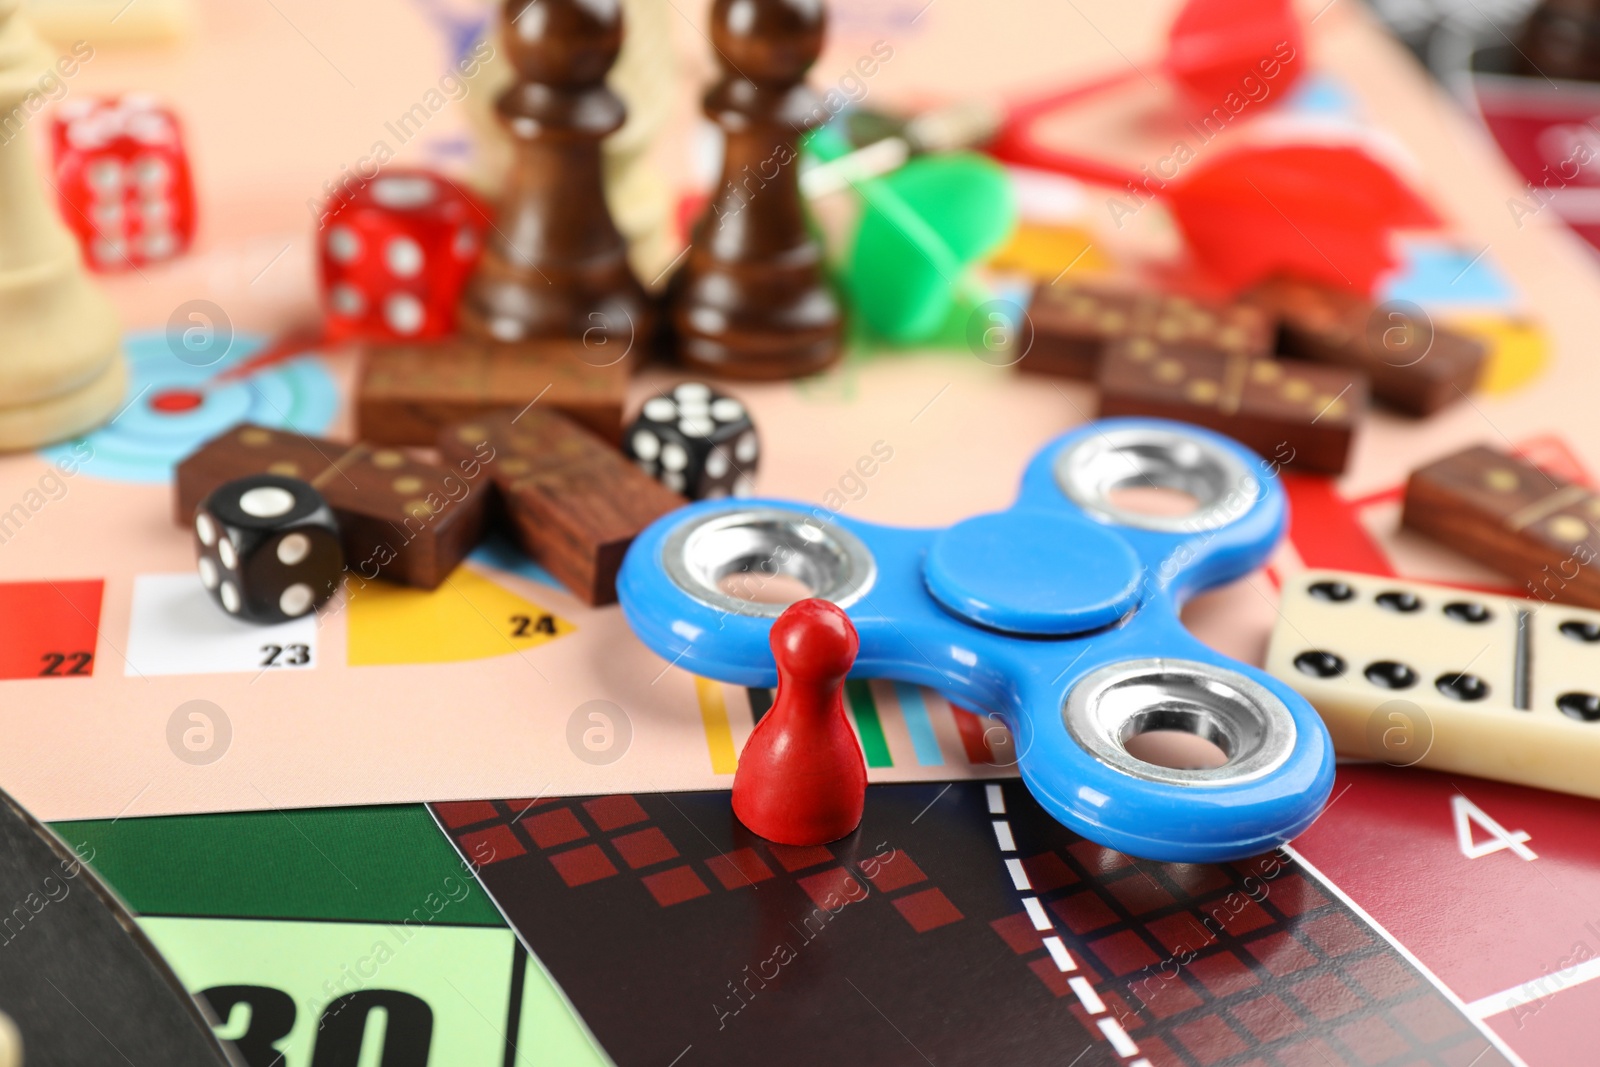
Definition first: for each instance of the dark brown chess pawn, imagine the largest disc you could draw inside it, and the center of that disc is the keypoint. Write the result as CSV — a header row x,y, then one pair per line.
x,y
554,264
1561,39
751,300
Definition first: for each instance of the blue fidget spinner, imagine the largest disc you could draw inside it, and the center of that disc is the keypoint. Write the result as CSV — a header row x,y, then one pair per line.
x,y
1059,614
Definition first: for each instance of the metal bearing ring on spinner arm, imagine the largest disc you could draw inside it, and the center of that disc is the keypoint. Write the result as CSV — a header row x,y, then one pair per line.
x,y
1059,614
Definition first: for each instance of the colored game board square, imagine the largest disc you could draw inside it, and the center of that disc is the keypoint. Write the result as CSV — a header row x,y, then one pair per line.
x,y
1235,913
927,910
799,857
1431,1019
48,629
1197,879
897,872
1312,1052
483,847
1018,933
1139,892
1295,895
1083,912
644,847
739,868
1048,871
580,866
1382,976
520,806
1123,952
1210,1039
1181,932
1048,973
1280,953
1164,994
551,828
1267,1018
614,812
1097,858
175,627
1372,1040
675,886
457,814
1335,933
1223,973
832,888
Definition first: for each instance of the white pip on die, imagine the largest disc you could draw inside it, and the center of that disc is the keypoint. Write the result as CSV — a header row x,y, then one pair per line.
x,y
696,441
1414,673
268,548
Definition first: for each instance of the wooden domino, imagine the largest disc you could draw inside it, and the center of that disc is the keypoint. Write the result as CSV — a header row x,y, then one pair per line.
x,y
408,392
1073,325
1512,517
1416,365
576,503
1296,414
1408,672
399,518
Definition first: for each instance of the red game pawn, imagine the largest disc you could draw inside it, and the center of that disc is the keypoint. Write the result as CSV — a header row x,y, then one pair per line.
x,y
801,778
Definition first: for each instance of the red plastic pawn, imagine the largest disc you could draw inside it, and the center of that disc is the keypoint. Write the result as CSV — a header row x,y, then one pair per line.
x,y
802,779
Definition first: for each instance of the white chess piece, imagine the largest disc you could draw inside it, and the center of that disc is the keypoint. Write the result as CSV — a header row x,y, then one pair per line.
x,y
61,366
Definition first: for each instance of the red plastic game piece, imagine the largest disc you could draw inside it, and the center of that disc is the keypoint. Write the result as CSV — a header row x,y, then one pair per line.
x,y
802,779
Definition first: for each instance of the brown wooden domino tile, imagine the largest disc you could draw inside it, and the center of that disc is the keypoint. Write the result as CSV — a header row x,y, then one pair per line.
x,y
1073,325
1513,517
1295,414
408,392
1415,366
575,502
399,518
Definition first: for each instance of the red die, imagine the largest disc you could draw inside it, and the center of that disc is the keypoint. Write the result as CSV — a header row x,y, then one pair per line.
x,y
123,178
395,255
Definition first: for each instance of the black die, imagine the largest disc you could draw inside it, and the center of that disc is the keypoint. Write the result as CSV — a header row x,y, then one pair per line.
x,y
696,441
268,547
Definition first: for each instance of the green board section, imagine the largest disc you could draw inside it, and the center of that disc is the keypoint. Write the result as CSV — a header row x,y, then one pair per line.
x,y
379,864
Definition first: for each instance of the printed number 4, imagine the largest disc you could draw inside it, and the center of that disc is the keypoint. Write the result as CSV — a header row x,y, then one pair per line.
x,y
1467,814
298,655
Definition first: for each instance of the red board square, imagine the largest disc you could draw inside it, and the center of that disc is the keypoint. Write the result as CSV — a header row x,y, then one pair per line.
x,y
1139,892
48,629
580,866
1431,1019
1383,976
483,847
1280,953
553,828
927,910
1018,933
1164,994
644,847
609,813
739,868
1048,871
1211,1040
1235,913
1097,858
1335,933
675,886
1197,879
1373,1040
895,873
1295,895
1223,973
520,806
1123,953
832,888
1268,1018
1083,912
799,857
1313,1052
1050,975
1181,933
465,812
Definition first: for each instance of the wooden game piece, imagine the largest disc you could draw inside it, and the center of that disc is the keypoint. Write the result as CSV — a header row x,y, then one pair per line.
x,y
1295,414
1512,517
554,264
61,366
576,504
751,300
1413,673
1073,324
399,518
408,392
1415,365
802,779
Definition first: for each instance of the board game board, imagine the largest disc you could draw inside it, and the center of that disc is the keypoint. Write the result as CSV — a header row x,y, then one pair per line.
x,y
1405,926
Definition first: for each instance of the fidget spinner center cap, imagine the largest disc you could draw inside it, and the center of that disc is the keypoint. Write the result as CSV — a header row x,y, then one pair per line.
x,y
1036,572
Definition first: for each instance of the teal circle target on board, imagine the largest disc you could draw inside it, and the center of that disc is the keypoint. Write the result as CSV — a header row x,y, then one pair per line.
x,y
173,407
